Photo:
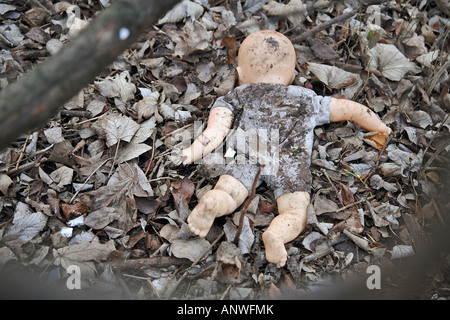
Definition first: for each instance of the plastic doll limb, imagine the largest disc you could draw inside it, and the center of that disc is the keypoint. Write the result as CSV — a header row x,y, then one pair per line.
x,y
227,195
342,110
285,227
219,124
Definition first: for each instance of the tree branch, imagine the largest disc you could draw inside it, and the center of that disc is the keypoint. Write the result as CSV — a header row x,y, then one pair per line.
x,y
307,34
32,100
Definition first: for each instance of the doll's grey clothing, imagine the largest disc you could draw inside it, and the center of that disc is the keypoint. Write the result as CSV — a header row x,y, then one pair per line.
x,y
273,125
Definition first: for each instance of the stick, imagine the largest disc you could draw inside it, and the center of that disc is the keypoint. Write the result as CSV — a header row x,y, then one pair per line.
x,y
247,203
32,100
307,34
143,263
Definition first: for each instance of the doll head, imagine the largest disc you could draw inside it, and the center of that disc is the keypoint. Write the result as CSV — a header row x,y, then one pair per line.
x,y
266,57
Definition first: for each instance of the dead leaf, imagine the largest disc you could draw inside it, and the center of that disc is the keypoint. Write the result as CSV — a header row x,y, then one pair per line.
x,y
191,249
118,86
131,151
62,176
246,237
294,11
182,192
184,9
402,251
193,37
375,139
83,255
5,182
230,263
266,206
321,50
26,224
72,211
120,201
390,62
116,127
332,76
147,106
54,135
415,46
230,44
141,187
323,205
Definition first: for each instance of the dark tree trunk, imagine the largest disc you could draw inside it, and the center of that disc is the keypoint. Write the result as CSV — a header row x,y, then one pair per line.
x,y
31,101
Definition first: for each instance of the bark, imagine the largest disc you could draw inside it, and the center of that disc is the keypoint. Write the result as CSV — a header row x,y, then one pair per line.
x,y
31,101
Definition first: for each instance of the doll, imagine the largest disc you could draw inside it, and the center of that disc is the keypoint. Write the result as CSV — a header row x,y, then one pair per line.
x,y
266,99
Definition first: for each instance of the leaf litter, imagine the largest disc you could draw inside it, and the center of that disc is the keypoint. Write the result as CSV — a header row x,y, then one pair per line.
x,y
98,188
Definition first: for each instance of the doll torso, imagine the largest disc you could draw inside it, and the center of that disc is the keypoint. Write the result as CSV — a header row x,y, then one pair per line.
x,y
282,119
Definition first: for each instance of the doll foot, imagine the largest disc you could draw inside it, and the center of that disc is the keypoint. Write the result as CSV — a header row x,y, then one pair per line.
x,y
202,217
275,250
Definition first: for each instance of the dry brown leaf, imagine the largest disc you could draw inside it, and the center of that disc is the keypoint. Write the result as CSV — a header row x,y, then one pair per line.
x,y
182,193
119,86
191,249
141,187
72,211
5,182
119,198
390,62
375,139
230,262
62,176
332,76
294,11
230,44
26,224
83,255
116,127
131,151
147,106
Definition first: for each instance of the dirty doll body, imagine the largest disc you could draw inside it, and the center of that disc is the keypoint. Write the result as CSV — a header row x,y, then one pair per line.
x,y
280,119
266,100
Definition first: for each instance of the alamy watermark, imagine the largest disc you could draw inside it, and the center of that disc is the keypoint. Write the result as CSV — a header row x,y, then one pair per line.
x,y
253,146
374,279
74,279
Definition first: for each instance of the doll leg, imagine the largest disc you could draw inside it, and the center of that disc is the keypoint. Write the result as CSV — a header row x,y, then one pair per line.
x,y
228,194
285,227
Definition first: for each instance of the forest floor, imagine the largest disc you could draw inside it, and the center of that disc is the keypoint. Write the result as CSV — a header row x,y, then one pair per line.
x,y
98,190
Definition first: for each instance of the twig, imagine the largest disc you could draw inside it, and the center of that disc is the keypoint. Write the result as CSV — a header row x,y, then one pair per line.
x,y
143,263
247,203
175,131
15,172
431,141
323,26
153,154
354,203
378,160
77,113
22,152
154,169
335,189
92,173
95,48
434,156
437,76
115,158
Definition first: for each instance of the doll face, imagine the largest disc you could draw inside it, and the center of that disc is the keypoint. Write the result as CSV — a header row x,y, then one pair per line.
x,y
266,57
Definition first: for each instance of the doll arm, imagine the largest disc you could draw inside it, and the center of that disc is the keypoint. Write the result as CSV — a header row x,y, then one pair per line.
x,y
219,124
342,109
